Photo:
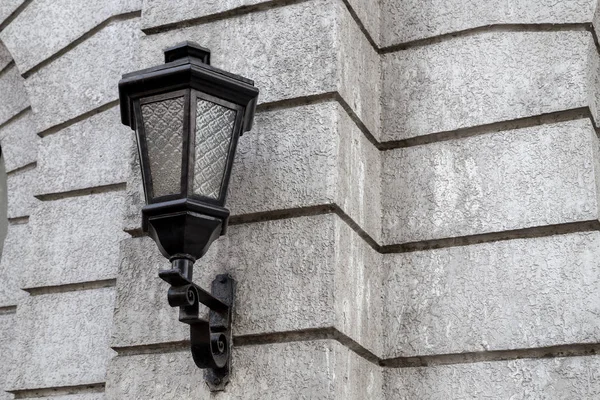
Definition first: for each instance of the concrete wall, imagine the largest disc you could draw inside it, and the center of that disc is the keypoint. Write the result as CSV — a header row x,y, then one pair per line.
x,y
415,213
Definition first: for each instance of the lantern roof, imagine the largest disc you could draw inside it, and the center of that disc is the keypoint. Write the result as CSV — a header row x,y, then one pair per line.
x,y
187,66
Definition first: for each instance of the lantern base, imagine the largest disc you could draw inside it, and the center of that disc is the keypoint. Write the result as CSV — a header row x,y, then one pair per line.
x,y
184,227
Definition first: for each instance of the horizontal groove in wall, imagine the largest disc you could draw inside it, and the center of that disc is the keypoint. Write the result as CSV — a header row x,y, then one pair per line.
x,y
569,350
331,333
18,220
59,391
494,127
57,128
115,187
15,117
153,348
23,168
14,14
232,13
287,213
461,133
81,39
71,287
7,67
305,335
467,240
249,9
7,310
524,233
297,102
502,28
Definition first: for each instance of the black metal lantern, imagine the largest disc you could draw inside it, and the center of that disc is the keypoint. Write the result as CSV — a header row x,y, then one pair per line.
x,y
188,117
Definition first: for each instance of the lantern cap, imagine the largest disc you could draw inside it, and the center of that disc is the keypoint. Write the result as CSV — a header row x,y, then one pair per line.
x,y
187,49
187,67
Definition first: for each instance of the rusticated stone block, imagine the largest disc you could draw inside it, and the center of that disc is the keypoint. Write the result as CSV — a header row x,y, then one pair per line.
x,y
14,258
297,262
481,79
299,370
537,176
20,188
548,378
86,77
407,20
19,142
293,158
13,97
62,339
91,153
522,293
311,48
57,24
7,340
63,247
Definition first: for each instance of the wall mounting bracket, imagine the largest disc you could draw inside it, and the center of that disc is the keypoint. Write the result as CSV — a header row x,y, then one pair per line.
x,y
210,339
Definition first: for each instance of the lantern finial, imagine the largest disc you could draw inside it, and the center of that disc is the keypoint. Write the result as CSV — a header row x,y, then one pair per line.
x,y
187,49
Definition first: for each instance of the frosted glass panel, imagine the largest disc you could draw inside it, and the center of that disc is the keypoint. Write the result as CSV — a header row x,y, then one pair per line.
x,y
163,123
214,128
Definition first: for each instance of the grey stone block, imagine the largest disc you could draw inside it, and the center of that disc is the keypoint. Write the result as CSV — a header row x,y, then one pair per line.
x,y
86,77
288,160
57,24
62,339
63,247
299,157
593,81
407,20
13,97
359,291
14,256
300,370
7,341
19,142
523,293
5,56
358,180
298,262
528,177
552,378
305,52
20,190
358,71
481,79
91,153
7,7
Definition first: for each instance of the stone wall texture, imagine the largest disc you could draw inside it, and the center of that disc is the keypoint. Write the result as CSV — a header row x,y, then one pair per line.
x,y
415,214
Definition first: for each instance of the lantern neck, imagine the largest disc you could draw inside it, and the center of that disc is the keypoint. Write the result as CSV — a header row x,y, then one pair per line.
x,y
187,49
184,264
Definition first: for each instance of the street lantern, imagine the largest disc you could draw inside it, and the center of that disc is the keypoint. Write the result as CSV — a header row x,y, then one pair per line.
x,y
188,117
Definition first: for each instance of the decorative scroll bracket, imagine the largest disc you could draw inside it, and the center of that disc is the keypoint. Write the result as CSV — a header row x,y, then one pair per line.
x,y
210,340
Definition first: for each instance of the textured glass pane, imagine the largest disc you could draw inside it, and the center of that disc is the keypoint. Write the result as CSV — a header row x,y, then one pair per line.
x,y
163,123
214,128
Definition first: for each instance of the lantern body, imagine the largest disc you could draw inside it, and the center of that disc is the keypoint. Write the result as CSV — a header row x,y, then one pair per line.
x,y
188,117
